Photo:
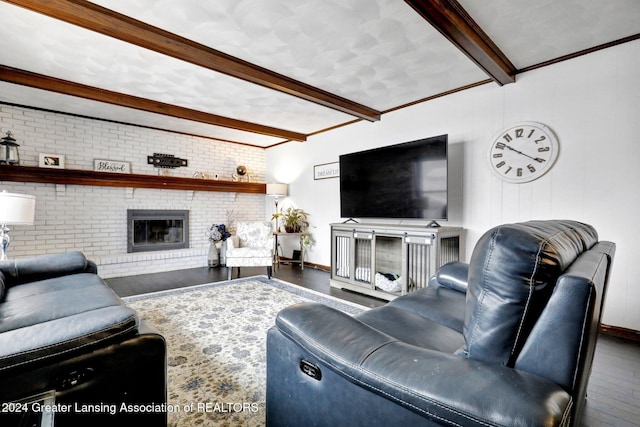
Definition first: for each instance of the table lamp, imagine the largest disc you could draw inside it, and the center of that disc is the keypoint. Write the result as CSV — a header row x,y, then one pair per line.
x,y
16,209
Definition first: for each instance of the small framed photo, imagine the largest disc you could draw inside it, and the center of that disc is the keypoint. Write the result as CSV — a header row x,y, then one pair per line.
x,y
55,161
327,170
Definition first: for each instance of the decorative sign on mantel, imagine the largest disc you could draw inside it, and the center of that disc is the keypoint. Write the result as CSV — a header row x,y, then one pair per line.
x,y
159,160
111,166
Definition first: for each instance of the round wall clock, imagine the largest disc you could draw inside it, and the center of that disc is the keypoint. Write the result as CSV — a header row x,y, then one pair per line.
x,y
523,152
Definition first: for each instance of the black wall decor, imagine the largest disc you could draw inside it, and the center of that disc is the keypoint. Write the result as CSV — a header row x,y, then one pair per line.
x,y
166,161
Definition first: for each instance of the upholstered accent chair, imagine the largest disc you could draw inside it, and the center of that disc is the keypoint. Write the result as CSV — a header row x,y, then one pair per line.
x,y
252,246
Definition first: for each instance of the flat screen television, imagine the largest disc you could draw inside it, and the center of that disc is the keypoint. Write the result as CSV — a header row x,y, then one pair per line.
x,y
407,180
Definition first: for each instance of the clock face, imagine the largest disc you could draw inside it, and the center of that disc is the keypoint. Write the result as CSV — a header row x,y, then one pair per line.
x,y
523,152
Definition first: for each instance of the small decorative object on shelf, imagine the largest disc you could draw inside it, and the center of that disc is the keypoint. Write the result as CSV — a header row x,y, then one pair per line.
x,y
159,160
241,171
9,150
217,233
52,161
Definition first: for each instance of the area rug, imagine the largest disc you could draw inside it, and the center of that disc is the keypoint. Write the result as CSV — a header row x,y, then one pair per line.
x,y
216,339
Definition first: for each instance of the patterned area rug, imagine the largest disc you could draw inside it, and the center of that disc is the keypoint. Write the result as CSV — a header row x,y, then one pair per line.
x,y
216,338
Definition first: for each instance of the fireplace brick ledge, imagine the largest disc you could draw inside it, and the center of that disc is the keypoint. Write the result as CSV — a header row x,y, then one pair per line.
x,y
129,264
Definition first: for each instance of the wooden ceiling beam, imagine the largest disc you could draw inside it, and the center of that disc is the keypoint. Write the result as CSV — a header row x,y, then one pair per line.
x,y
52,84
453,22
105,21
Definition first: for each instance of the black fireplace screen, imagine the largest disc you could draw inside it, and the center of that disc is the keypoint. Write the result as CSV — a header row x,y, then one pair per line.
x,y
157,230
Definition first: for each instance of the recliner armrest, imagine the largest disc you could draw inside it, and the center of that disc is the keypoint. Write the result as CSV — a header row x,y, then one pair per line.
x,y
438,385
45,267
452,275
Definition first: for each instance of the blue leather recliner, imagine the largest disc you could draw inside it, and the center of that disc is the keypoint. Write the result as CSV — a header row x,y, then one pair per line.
x,y
506,340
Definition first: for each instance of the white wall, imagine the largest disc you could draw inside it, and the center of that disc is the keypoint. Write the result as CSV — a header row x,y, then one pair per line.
x,y
592,103
93,219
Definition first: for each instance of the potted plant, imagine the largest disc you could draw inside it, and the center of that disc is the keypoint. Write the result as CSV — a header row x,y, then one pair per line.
x,y
295,220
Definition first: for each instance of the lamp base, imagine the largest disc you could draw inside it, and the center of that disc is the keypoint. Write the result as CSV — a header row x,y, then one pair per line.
x,y
4,240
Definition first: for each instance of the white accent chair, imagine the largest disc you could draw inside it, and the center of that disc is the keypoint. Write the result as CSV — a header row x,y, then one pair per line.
x,y
252,246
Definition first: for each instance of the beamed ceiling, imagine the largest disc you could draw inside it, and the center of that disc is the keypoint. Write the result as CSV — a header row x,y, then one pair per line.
x,y
266,72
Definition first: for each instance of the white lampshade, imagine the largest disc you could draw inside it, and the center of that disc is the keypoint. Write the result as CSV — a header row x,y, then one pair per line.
x,y
277,189
17,208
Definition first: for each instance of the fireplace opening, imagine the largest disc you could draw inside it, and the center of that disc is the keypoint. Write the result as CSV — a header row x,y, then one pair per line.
x,y
157,230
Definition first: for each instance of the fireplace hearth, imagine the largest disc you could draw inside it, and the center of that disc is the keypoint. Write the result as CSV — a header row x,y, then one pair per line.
x,y
157,230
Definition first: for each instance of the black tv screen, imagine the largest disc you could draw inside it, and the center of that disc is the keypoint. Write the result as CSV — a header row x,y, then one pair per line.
x,y
407,180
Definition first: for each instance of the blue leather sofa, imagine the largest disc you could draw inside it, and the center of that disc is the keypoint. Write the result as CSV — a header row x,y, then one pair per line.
x,y
506,340
71,352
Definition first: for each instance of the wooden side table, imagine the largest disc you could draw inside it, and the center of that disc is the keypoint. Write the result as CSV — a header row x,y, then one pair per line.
x,y
279,234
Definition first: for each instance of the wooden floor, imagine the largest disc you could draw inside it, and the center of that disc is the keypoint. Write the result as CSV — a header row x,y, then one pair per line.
x,y
614,386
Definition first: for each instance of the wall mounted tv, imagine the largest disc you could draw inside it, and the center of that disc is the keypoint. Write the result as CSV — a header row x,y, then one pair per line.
x,y
407,180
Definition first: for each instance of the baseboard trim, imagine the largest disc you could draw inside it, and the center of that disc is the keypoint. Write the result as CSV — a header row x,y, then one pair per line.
x,y
308,264
618,331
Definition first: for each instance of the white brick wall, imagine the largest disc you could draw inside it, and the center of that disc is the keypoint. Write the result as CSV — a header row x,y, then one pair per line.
x,y
93,219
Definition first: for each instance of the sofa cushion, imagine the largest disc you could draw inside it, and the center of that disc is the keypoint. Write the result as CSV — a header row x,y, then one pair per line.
x,y
412,328
438,303
44,319
248,253
44,266
512,273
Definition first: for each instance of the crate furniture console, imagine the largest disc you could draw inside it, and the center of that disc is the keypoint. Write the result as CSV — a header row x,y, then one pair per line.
x,y
386,261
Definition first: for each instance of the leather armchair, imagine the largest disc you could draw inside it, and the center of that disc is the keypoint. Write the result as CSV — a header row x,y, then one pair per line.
x,y
252,246
67,340
506,340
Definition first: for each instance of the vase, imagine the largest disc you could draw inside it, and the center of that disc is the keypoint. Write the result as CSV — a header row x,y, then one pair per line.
x,y
213,257
223,253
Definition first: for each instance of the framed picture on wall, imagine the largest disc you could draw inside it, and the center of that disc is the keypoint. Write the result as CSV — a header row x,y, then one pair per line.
x,y
326,170
55,161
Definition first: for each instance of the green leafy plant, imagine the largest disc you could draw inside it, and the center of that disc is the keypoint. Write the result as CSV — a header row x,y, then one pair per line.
x,y
294,220
306,240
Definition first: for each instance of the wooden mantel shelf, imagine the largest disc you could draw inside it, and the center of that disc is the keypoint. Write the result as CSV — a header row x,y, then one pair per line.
x,y
107,179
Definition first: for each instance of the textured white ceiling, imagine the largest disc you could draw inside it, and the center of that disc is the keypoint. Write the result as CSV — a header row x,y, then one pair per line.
x,y
379,53
68,52
532,32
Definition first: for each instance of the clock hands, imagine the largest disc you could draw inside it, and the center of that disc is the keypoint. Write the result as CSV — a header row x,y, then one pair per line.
x,y
537,159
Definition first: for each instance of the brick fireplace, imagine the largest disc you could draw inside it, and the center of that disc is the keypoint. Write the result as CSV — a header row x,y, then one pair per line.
x,y
157,230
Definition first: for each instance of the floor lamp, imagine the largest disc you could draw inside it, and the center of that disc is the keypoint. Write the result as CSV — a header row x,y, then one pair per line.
x,y
277,189
15,209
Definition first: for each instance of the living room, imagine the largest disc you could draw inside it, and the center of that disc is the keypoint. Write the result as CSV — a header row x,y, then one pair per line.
x,y
589,101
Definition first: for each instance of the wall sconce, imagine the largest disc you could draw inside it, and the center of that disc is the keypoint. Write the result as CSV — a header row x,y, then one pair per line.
x,y
14,209
9,150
